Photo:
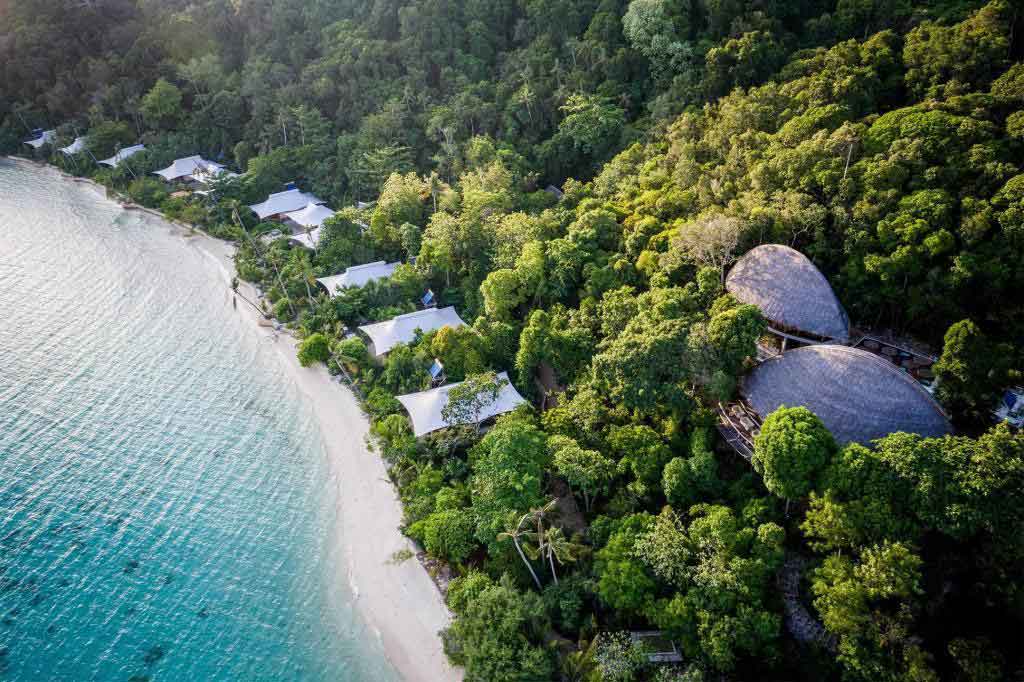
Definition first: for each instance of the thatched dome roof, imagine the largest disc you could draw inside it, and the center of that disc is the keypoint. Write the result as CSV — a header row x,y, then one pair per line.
x,y
789,290
858,395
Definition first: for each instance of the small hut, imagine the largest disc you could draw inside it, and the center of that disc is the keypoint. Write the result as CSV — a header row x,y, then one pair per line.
x,y
402,329
425,408
793,295
191,170
280,203
75,147
859,396
358,276
126,153
41,137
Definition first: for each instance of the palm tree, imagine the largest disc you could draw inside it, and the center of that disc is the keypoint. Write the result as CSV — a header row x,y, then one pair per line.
x,y
581,665
514,532
559,548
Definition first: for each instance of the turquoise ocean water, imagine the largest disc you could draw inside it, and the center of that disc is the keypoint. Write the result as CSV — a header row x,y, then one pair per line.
x,y
166,511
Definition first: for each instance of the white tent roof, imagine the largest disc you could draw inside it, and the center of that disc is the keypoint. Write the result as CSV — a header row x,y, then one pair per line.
x,y
191,167
402,329
77,146
308,241
358,275
313,215
425,408
125,153
284,202
46,137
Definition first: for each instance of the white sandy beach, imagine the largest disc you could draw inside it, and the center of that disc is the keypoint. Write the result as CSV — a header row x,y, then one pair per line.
x,y
398,600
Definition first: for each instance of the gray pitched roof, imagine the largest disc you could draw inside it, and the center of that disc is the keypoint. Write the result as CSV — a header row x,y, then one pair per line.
x,y
789,290
858,395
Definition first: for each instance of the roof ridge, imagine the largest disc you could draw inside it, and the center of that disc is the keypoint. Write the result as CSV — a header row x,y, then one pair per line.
x,y
366,265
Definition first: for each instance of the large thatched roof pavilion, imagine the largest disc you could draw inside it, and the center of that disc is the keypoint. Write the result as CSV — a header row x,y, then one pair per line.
x,y
793,294
858,395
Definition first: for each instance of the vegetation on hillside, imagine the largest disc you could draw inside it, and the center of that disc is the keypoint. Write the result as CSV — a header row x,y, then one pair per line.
x,y
883,138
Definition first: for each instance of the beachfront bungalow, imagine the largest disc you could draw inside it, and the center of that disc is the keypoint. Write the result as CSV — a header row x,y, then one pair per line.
x,y
126,153
76,147
795,298
402,329
425,407
279,204
858,395
192,170
358,276
41,137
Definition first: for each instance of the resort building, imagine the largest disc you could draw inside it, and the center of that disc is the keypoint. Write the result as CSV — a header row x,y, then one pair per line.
x,y
305,240
192,170
75,147
402,329
795,298
281,203
425,407
858,395
311,217
358,276
126,153
41,137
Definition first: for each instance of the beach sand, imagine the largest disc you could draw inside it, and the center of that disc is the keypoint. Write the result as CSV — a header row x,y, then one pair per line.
x,y
398,600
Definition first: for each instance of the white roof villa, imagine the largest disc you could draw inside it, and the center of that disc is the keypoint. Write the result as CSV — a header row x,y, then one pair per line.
x,y
358,275
75,147
287,201
45,137
402,329
191,168
425,407
313,215
115,160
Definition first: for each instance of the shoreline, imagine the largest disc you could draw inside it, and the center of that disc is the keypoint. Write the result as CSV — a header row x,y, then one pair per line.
x,y
398,600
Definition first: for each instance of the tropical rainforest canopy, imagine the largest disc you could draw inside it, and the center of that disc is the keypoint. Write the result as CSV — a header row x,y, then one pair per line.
x,y
882,138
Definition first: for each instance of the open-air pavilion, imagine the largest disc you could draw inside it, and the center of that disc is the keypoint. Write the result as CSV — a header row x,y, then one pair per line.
x,y
126,153
75,147
358,276
402,329
42,137
795,298
281,203
425,408
858,395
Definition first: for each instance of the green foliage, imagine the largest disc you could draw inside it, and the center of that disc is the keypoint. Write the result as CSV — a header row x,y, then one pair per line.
x,y
498,633
449,534
508,470
791,450
971,372
314,348
867,604
161,106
